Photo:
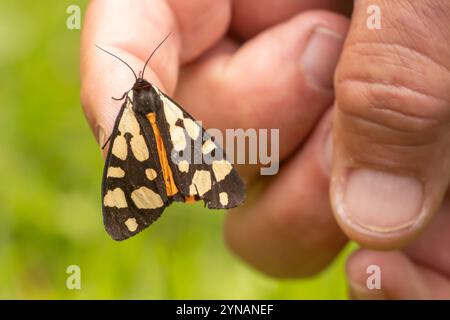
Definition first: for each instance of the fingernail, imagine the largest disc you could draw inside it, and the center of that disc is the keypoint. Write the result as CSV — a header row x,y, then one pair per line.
x,y
382,202
321,56
101,136
328,152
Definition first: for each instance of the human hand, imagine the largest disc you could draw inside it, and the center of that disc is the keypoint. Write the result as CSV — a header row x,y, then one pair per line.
x,y
392,114
391,160
280,79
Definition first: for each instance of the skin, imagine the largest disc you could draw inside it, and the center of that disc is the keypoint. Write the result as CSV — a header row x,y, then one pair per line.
x,y
362,119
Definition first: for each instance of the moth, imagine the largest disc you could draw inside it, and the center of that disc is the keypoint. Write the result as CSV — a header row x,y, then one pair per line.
x,y
147,169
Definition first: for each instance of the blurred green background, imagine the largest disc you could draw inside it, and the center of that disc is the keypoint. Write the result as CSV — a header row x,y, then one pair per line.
x,y
50,206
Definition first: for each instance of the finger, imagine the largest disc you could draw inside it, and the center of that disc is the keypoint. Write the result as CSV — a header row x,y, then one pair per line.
x,y
430,280
399,277
201,23
290,231
132,32
391,128
252,17
281,79
123,30
431,248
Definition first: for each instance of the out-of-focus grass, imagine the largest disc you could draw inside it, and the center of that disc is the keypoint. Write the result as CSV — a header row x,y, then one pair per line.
x,y
50,207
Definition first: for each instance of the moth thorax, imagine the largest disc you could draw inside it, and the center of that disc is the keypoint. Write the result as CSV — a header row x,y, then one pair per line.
x,y
146,100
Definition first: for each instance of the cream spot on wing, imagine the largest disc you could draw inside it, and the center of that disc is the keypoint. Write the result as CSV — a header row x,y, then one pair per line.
x,y
131,224
192,190
202,181
115,199
119,148
192,128
208,146
171,111
145,198
115,172
139,148
221,169
223,198
151,174
183,166
178,138
128,122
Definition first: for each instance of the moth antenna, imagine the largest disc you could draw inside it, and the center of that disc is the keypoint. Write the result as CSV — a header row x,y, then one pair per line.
x,y
159,45
134,73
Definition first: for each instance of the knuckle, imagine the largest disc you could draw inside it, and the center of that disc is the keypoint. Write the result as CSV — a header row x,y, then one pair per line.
x,y
391,90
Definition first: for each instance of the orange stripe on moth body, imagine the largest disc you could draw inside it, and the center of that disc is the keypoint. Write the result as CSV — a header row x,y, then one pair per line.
x,y
171,188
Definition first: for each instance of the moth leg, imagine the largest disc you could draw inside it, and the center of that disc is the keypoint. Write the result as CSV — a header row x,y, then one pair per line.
x,y
204,202
120,99
109,139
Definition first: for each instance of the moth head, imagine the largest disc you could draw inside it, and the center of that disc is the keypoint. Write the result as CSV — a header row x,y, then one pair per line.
x,y
141,84
145,97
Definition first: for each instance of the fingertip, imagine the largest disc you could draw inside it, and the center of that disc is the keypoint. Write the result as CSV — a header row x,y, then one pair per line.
x,y
123,30
375,211
385,275
360,286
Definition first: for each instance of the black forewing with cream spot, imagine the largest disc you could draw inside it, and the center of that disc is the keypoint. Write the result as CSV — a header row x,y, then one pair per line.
x,y
133,189
218,184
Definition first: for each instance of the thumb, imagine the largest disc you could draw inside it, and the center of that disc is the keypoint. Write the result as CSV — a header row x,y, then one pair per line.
x,y
391,161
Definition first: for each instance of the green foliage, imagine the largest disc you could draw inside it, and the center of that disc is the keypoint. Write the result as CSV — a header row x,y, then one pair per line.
x,y
50,206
